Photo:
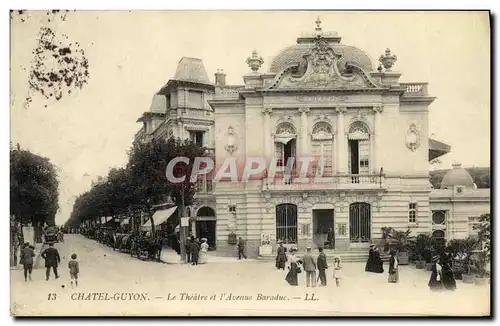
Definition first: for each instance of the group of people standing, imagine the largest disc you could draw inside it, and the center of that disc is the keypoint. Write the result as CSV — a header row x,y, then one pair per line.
x,y
52,261
196,253
309,265
442,277
375,264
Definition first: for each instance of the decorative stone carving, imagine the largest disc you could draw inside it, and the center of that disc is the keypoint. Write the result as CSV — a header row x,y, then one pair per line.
x,y
255,61
341,109
323,71
232,141
378,109
413,138
285,132
388,59
358,131
304,110
267,111
321,118
322,131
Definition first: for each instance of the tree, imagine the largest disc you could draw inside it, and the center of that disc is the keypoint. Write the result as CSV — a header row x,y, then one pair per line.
x,y
33,188
484,234
147,173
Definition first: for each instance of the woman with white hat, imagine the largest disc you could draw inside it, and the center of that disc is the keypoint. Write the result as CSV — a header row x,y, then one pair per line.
x,y
203,258
436,280
293,269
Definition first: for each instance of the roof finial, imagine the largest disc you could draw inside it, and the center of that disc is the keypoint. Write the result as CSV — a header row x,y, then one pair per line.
x,y
318,25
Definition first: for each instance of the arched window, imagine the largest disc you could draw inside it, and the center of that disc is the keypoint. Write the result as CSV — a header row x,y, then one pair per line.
x,y
360,222
359,148
285,143
286,223
322,147
205,211
439,237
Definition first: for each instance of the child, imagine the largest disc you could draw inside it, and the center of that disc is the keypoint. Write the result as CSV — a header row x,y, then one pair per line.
x,y
337,270
73,269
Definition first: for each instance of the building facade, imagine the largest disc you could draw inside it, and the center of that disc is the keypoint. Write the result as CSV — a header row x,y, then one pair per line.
x,y
365,132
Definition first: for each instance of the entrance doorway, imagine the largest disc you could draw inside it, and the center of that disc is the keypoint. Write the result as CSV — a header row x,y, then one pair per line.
x,y
323,228
206,223
206,229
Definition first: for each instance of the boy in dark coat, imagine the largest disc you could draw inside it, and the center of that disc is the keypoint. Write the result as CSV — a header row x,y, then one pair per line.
x,y
27,254
52,260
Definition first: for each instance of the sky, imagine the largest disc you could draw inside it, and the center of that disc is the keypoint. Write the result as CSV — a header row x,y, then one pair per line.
x,y
132,54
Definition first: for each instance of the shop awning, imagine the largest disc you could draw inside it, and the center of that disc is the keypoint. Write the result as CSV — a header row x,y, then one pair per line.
x,y
161,216
437,149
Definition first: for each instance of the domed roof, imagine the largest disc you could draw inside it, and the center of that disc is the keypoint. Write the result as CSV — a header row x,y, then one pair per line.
x,y
295,54
457,176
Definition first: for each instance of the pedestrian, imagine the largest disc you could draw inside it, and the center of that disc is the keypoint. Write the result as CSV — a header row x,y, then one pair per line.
x,y
241,248
74,269
449,282
393,268
378,264
194,248
294,269
322,266
310,268
281,256
187,246
436,281
202,258
371,259
26,259
337,270
331,238
52,260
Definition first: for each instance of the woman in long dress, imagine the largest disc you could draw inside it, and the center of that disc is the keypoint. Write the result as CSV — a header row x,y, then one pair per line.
x,y
393,268
436,282
281,257
447,273
370,260
203,257
293,269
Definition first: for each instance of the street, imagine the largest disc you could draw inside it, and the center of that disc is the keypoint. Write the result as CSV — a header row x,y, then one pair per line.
x,y
113,283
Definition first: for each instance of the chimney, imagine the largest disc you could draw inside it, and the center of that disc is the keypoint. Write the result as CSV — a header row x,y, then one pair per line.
x,y
220,78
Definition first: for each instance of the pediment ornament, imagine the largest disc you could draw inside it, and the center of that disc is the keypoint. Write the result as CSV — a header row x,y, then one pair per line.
x,y
323,71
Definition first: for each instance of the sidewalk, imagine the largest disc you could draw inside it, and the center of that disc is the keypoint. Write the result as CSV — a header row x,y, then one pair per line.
x,y
171,257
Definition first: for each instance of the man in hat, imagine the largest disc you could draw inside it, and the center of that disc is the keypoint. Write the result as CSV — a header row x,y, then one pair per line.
x,y
436,282
281,256
322,266
310,268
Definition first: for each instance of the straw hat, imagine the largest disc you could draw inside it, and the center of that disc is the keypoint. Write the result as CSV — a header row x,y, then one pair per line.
x,y
435,258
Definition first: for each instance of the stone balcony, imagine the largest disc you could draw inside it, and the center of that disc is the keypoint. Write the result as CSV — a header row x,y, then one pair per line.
x,y
341,182
415,89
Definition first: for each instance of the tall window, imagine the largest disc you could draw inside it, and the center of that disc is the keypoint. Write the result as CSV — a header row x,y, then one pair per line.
x,y
412,212
359,148
286,223
285,144
197,137
360,222
322,145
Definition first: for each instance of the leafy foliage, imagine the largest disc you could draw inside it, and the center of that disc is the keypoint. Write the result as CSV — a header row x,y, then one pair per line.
x,y
142,183
33,188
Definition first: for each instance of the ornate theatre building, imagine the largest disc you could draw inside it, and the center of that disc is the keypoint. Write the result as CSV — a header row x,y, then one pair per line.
x,y
323,99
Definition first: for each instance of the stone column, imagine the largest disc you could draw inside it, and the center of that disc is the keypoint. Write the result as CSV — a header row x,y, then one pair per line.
x,y
181,130
374,140
267,133
341,141
303,132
